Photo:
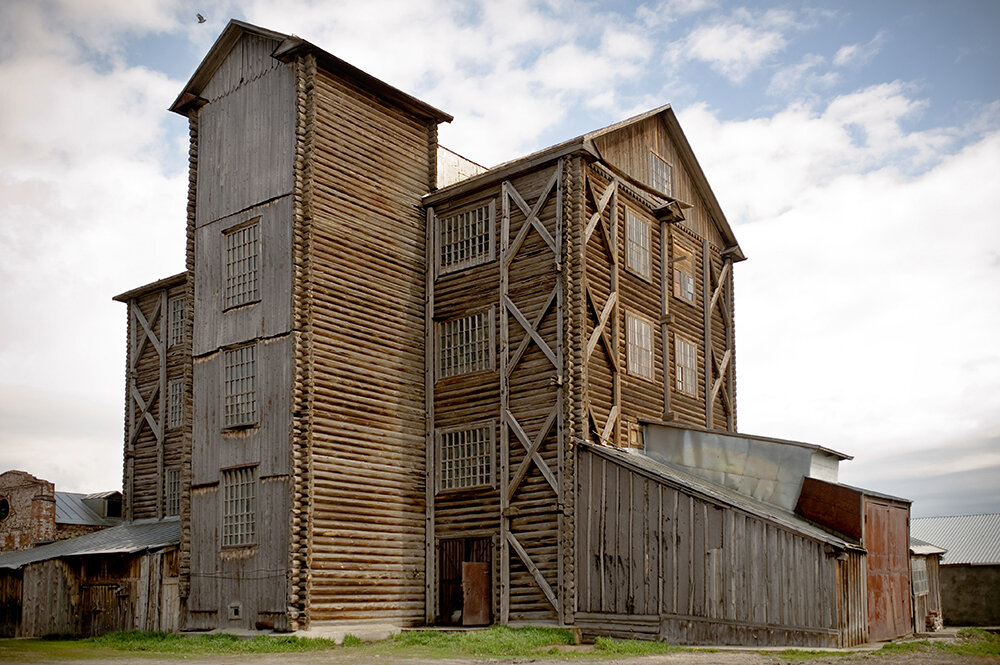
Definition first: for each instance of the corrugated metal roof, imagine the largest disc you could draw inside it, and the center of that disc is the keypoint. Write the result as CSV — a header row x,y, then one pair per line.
x,y
70,509
968,538
722,494
918,546
123,539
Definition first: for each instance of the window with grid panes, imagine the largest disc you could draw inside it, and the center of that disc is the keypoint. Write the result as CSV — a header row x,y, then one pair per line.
x,y
661,174
465,457
240,383
638,244
466,239
172,492
175,403
242,259
640,345
466,345
686,366
239,504
175,321
684,276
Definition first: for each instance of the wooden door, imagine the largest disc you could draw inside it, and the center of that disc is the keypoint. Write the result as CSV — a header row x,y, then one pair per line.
x,y
475,593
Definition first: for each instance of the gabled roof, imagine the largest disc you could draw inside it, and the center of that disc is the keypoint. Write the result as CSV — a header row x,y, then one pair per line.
x,y
969,539
288,47
585,143
70,509
923,548
717,493
124,539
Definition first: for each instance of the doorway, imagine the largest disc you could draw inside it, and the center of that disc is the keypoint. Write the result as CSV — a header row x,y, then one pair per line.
x,y
465,568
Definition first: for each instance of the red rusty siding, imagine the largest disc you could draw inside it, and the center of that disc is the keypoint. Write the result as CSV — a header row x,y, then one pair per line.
x,y
887,539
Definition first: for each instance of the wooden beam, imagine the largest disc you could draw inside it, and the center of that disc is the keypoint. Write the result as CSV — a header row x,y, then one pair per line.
x,y
533,569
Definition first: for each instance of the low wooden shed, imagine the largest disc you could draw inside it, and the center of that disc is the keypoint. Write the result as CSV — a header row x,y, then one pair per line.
x,y
122,578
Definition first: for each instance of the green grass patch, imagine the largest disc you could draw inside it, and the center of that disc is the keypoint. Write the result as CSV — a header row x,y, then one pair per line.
x,y
610,645
803,654
135,640
905,647
496,641
973,642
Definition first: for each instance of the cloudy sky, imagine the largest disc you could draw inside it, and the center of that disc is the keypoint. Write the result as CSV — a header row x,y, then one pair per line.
x,y
855,147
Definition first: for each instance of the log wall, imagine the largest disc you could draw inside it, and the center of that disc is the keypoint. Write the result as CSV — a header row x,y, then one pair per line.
x,y
656,561
364,232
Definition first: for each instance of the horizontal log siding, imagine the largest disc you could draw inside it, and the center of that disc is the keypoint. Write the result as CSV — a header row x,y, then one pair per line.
x,y
687,320
657,562
628,149
642,398
369,168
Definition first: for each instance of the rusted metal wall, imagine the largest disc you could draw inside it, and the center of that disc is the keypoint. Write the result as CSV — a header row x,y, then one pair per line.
x,y
887,539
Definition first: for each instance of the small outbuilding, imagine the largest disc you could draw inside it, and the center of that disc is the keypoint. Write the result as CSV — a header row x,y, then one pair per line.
x,y
925,575
970,569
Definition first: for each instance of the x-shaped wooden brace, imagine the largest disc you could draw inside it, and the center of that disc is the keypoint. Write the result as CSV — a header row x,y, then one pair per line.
x,y
146,332
144,413
532,221
719,367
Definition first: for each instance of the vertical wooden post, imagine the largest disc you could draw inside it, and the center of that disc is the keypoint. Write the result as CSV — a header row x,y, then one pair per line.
x,y
504,405
430,567
162,422
665,316
706,295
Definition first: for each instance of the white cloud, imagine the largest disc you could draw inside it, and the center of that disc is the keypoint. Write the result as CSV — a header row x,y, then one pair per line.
x,y
803,79
737,45
859,54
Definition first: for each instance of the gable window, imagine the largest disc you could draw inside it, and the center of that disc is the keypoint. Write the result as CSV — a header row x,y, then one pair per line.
x,y
172,492
175,321
175,403
466,239
661,174
240,384
239,505
638,244
465,457
640,345
684,275
242,259
686,366
466,345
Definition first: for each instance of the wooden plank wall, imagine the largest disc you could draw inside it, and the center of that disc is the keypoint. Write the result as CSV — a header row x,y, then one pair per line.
x,y
370,168
658,562
10,601
51,599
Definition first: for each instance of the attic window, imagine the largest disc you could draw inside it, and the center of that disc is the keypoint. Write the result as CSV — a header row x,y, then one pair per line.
x,y
466,239
661,174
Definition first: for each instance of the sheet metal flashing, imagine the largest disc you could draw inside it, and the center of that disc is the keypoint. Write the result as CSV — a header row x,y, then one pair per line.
x,y
756,437
124,539
969,539
719,494
70,509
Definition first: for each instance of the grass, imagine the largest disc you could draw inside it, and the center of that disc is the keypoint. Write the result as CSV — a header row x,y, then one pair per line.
x,y
803,654
497,641
633,647
135,640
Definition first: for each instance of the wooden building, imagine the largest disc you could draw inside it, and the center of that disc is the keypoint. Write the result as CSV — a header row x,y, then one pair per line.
x,y
411,386
925,567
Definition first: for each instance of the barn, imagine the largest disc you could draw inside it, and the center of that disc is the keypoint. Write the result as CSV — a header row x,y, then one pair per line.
x,y
394,387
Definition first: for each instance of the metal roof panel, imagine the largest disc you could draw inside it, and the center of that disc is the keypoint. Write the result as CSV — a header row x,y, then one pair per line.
x,y
972,539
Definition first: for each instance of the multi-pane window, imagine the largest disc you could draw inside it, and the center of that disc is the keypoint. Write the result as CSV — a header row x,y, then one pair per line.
x,y
242,258
466,345
640,345
638,244
684,276
466,239
175,403
661,174
240,386
465,457
918,566
175,321
239,504
172,492
686,366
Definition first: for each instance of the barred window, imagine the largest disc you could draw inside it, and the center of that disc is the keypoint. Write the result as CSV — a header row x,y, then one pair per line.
x,y
638,243
466,345
175,403
686,366
684,275
640,345
921,586
241,386
466,239
175,321
661,174
172,492
465,457
239,505
242,257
